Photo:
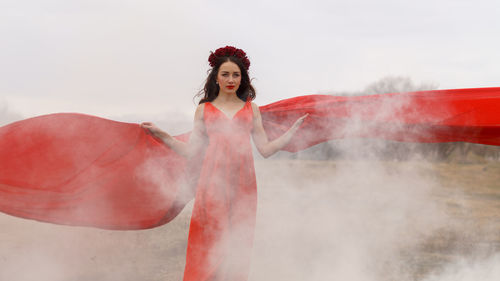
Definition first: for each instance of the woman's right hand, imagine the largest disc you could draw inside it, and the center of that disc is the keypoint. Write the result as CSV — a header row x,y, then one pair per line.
x,y
173,143
152,128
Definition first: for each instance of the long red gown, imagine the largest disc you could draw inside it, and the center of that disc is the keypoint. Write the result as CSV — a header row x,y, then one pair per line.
x,y
223,220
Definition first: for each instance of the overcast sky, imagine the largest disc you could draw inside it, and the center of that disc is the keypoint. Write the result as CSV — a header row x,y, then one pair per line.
x,y
145,58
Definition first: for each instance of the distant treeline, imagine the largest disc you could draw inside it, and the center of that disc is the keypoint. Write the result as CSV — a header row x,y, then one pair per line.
x,y
398,151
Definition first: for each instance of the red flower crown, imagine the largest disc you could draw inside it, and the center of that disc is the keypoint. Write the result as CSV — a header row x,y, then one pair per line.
x,y
229,51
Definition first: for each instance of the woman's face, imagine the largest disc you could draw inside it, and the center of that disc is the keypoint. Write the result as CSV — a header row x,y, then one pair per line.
x,y
229,77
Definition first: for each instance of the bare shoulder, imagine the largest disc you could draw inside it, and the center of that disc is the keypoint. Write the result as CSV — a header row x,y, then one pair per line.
x,y
200,107
256,112
199,111
255,108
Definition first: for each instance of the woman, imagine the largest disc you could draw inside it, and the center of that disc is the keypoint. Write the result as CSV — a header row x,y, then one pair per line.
x,y
222,224
96,172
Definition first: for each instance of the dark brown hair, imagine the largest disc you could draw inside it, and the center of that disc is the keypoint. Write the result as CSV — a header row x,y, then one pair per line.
x,y
211,90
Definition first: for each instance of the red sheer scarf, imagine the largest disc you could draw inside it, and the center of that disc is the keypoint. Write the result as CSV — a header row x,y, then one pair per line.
x,y
77,169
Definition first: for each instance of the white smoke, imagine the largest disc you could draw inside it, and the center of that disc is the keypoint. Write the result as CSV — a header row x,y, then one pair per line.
x,y
344,220
365,219
358,219
484,270
7,115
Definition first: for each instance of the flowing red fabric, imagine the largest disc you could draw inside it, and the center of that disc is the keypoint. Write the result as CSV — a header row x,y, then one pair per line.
x,y
83,170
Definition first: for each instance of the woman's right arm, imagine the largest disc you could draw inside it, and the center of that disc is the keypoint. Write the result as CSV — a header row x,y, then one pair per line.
x,y
196,139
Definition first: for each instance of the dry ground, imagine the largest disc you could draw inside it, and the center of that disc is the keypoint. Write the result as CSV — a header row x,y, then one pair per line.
x,y
31,250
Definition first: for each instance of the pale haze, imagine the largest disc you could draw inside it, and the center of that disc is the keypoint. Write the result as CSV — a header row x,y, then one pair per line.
x,y
355,219
143,59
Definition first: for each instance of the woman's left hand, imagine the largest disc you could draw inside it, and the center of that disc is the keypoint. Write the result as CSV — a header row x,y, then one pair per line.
x,y
299,121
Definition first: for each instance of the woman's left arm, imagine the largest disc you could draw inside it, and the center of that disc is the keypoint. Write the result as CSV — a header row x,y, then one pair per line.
x,y
265,147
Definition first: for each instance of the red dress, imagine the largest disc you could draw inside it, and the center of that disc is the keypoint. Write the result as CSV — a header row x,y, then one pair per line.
x,y
223,220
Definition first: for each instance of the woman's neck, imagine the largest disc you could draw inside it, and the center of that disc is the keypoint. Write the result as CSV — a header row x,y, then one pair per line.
x,y
227,97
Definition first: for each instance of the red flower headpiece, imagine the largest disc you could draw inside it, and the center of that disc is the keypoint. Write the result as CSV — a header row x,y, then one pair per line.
x,y
229,51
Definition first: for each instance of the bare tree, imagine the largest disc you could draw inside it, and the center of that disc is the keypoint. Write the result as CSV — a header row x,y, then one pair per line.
x,y
397,84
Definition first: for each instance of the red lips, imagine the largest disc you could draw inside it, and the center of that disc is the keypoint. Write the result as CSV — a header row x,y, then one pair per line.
x,y
230,87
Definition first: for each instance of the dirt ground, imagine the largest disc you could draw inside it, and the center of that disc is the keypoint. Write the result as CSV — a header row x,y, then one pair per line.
x,y
31,250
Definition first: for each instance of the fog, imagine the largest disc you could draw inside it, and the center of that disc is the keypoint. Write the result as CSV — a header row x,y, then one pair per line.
x,y
357,219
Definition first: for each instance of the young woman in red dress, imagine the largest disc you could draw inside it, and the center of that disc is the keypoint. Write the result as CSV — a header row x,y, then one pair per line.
x,y
223,220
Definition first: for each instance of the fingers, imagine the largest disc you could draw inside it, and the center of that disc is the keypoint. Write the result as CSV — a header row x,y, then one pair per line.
x,y
303,116
146,124
301,120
